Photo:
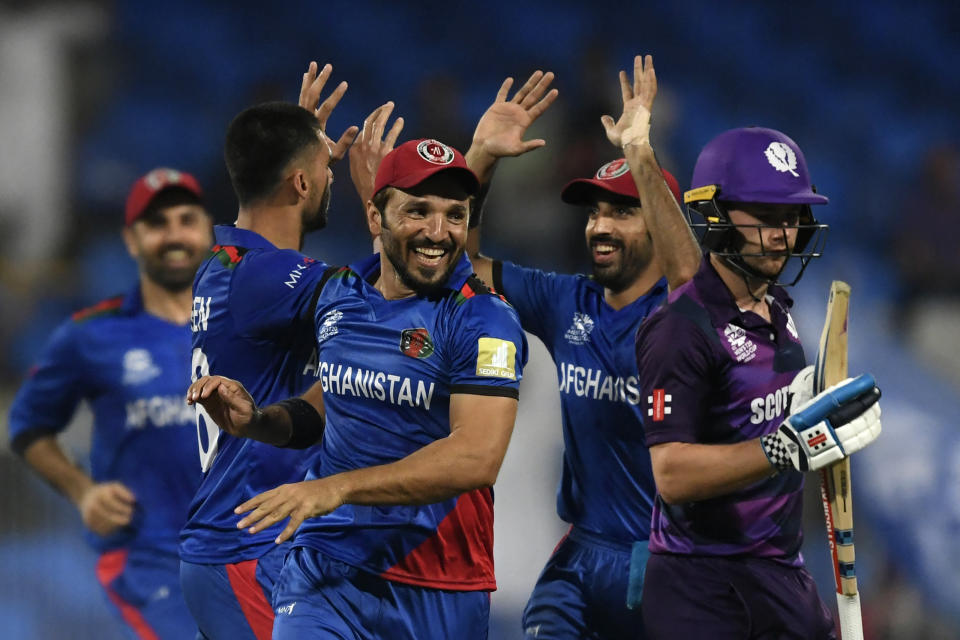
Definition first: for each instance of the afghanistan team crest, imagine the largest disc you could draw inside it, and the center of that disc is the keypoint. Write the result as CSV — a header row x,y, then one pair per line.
x,y
416,343
613,169
435,151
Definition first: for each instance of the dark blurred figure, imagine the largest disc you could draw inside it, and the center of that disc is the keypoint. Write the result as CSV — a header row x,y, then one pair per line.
x,y
925,248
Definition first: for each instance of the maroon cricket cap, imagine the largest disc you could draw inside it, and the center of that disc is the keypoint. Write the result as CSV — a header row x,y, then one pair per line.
x,y
416,160
613,177
148,186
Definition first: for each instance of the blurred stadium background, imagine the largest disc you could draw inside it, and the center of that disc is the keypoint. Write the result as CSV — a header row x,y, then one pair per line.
x,y
94,93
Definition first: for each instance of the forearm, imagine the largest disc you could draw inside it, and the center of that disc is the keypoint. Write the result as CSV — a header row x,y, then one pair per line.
x,y
46,457
441,470
692,472
676,247
295,423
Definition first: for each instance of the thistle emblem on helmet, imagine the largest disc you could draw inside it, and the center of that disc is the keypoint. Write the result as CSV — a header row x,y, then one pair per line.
x,y
782,158
435,152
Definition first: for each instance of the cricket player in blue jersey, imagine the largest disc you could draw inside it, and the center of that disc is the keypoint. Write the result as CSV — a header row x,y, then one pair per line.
x,y
127,356
640,245
253,320
419,366
731,418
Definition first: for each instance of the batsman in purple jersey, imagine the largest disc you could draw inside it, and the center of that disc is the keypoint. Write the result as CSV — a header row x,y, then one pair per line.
x,y
728,404
639,244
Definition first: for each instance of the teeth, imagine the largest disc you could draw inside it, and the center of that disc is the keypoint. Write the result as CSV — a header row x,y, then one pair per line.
x,y
604,248
432,252
176,254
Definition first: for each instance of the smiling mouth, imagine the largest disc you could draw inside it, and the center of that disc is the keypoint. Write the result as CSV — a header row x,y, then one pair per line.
x,y
430,256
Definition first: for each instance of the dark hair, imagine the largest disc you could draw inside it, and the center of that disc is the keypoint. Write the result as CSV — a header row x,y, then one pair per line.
x,y
261,142
169,197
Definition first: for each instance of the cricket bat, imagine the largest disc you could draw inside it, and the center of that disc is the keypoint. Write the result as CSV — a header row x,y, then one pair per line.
x,y
831,368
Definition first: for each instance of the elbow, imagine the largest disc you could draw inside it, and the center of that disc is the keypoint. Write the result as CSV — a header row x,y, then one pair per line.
x,y
673,485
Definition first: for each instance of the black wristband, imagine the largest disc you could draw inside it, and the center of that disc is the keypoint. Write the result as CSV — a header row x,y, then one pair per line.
x,y
306,424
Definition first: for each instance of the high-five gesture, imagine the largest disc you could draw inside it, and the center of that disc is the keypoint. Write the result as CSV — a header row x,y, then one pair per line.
x,y
370,147
500,131
310,89
633,127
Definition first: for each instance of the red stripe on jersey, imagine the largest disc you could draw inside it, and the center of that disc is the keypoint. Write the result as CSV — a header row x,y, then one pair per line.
x,y
109,304
459,556
109,567
250,596
659,400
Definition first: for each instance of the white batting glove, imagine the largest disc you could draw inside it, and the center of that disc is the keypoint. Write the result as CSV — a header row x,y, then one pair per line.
x,y
827,428
801,389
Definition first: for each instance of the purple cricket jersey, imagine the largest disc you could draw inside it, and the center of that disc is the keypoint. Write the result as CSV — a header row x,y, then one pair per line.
x,y
713,374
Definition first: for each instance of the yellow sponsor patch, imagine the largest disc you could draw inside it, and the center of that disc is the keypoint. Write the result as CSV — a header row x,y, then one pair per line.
x,y
496,358
700,193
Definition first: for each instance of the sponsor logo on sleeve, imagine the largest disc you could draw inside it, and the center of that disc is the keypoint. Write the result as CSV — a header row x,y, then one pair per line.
x,y
329,327
416,343
659,405
496,358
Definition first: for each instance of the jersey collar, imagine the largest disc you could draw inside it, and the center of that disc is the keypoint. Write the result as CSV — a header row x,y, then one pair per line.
x,y
230,235
719,302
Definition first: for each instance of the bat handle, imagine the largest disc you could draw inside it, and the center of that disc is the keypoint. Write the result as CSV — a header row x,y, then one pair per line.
x,y
851,622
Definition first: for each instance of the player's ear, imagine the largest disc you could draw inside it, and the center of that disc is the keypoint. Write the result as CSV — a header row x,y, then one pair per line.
x,y
299,182
374,219
130,239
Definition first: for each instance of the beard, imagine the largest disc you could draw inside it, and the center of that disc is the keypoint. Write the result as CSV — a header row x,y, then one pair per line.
x,y
627,267
422,281
315,218
173,279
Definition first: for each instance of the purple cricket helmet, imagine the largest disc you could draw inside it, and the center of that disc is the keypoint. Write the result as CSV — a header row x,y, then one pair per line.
x,y
753,165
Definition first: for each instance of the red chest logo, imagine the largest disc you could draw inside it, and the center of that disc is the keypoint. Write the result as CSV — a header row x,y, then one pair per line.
x,y
416,343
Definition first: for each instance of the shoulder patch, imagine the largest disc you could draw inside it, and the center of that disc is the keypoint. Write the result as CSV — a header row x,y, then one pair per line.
x,y
108,307
474,286
228,255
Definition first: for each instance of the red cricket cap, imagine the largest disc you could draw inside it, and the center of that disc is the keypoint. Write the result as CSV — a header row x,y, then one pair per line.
x,y
148,186
613,177
416,160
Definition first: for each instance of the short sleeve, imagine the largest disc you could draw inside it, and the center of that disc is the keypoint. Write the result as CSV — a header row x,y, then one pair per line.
x,y
48,398
272,290
674,360
487,347
533,293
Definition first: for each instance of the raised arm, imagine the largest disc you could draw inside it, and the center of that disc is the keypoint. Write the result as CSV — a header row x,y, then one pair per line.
x,y
499,134
676,247
469,458
310,88
374,142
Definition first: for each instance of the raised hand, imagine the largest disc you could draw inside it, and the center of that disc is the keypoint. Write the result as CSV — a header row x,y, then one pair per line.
x,y
500,131
107,506
297,501
226,401
633,127
370,147
310,88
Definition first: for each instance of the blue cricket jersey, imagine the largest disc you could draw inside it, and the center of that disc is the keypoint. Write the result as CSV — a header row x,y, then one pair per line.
x,y
131,367
607,484
388,369
252,321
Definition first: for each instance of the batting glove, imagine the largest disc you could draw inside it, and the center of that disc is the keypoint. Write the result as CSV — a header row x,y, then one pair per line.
x,y
829,427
